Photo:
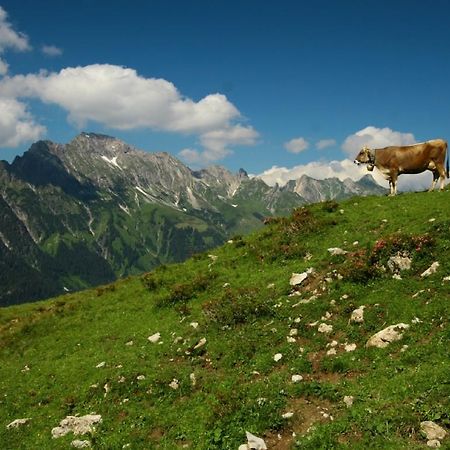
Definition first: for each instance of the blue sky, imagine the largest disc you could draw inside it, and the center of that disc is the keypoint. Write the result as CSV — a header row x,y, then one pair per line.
x,y
241,83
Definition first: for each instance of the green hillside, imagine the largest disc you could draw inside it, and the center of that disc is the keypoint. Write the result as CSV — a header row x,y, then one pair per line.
x,y
202,386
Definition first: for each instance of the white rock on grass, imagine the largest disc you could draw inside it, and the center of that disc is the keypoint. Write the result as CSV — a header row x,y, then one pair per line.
x,y
193,379
76,425
18,422
296,378
194,324
299,278
80,444
287,415
399,262
154,338
253,443
434,443
349,347
348,400
140,377
277,357
100,365
200,343
432,430
385,337
432,269
447,278
331,352
357,315
325,328
335,251
174,384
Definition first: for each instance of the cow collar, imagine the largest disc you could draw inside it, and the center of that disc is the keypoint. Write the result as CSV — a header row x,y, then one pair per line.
x,y
371,162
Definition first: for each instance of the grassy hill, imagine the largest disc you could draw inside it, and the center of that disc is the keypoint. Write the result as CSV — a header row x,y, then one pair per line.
x,y
202,386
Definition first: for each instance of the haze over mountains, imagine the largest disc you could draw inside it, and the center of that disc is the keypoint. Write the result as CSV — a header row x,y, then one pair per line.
x,y
95,209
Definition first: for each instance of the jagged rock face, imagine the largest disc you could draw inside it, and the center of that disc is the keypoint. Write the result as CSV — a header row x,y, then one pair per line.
x,y
332,188
84,213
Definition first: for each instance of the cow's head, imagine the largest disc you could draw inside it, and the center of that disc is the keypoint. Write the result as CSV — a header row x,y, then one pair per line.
x,y
365,156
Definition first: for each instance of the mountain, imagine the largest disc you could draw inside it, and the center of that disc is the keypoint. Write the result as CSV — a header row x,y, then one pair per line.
x,y
332,188
193,355
84,213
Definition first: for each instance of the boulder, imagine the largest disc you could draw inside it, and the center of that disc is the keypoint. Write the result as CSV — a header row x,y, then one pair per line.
x,y
399,262
357,315
432,269
18,422
76,425
299,278
432,430
253,443
384,337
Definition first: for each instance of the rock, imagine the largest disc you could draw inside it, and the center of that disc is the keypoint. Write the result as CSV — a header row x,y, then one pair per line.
x,y
287,415
80,444
194,324
253,443
174,384
193,379
18,422
432,430
357,315
335,251
399,262
299,278
296,378
348,400
447,278
349,347
432,269
277,357
100,365
154,338
140,377
200,343
76,425
325,328
434,443
331,352
293,332
384,337
129,343
396,276
291,339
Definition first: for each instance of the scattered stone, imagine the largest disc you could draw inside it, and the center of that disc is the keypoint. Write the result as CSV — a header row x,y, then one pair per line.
x,y
129,343
291,339
296,378
350,347
335,251
277,357
76,425
331,352
154,338
213,257
355,243
225,285
270,285
432,269
399,262
404,348
396,276
341,211
287,415
25,369
107,388
299,278
348,400
200,343
253,443
80,444
174,384
327,316
447,278
193,379
297,319
100,365
385,337
307,257
418,293
293,332
432,430
416,320
121,379
140,377
18,422
357,315
434,443
431,220
325,328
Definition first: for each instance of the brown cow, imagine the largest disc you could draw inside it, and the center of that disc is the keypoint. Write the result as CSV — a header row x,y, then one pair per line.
x,y
393,161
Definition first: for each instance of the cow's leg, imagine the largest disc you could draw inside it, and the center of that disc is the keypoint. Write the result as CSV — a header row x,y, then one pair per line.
x,y
435,178
393,184
442,176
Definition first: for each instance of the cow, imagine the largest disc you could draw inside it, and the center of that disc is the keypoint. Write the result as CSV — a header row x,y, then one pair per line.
x,y
393,161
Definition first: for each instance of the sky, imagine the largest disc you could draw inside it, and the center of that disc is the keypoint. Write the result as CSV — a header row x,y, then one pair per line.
x,y
279,88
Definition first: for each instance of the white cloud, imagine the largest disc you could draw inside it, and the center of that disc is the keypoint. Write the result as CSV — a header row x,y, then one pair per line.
x,y
16,124
296,145
325,143
375,137
51,50
342,170
119,98
10,39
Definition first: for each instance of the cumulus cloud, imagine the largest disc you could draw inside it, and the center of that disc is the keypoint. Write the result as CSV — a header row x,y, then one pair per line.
x,y
325,143
296,145
17,126
51,50
10,39
121,99
375,137
342,170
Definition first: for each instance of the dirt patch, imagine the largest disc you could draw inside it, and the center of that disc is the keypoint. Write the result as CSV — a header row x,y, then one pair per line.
x,y
307,413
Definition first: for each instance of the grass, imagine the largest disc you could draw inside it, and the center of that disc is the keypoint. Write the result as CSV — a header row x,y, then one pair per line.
x,y
239,295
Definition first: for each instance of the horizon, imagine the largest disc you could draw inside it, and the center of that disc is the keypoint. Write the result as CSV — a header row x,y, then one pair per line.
x,y
295,89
